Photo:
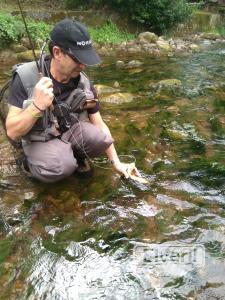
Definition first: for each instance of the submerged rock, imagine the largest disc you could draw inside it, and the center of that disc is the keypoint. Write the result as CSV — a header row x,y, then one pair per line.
x,y
120,64
167,87
105,89
118,98
175,134
133,64
170,83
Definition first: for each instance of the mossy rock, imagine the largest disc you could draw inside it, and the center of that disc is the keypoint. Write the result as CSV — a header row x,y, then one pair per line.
x,y
167,87
147,36
105,89
210,36
164,46
17,48
175,134
133,64
27,55
118,98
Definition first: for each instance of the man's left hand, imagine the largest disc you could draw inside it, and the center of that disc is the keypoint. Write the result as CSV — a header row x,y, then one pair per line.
x,y
126,169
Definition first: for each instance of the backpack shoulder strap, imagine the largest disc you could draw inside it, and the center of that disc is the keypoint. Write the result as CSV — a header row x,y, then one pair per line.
x,y
28,74
84,82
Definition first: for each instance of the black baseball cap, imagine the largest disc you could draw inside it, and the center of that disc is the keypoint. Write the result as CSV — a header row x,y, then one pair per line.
x,y
74,37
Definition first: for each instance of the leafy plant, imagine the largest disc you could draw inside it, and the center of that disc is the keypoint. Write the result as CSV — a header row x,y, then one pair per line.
x,y
109,33
39,30
12,29
157,15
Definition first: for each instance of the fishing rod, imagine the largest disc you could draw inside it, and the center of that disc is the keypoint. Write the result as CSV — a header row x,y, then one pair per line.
x,y
29,37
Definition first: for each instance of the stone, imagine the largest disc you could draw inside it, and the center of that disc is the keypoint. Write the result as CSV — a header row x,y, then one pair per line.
x,y
134,49
116,84
135,71
103,51
166,83
134,64
118,98
164,45
105,89
210,36
164,88
120,64
179,45
27,55
176,135
150,37
194,47
18,48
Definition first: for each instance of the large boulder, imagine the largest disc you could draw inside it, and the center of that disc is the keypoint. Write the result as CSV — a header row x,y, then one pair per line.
x,y
149,37
164,45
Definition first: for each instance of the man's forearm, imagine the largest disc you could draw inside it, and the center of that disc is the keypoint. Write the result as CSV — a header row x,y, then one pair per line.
x,y
112,154
20,123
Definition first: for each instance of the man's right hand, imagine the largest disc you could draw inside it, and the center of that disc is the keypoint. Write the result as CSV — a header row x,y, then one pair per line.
x,y
43,93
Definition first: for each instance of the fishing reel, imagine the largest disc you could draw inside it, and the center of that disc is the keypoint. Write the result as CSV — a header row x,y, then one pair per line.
x,y
62,111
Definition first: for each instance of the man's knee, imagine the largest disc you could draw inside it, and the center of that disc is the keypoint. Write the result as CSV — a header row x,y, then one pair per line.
x,y
95,140
50,161
54,170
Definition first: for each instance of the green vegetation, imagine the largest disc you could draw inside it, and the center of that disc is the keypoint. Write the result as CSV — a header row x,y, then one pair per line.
x,y
220,30
157,15
13,29
109,33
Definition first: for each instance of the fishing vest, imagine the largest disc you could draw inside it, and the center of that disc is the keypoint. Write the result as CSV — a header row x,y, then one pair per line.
x,y
46,127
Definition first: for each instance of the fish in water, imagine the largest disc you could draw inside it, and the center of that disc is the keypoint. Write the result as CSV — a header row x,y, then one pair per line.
x,y
139,179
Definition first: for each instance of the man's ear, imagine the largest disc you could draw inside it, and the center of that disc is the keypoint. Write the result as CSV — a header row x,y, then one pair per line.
x,y
57,52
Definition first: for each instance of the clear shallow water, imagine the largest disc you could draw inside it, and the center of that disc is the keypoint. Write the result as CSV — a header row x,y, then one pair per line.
x,y
107,238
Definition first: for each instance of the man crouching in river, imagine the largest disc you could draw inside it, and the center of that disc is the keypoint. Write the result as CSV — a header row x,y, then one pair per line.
x,y
48,114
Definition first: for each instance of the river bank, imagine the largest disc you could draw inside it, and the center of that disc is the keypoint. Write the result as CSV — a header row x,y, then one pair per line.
x,y
104,24
145,43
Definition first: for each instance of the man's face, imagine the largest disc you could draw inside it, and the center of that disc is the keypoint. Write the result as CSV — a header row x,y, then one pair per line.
x,y
70,66
67,65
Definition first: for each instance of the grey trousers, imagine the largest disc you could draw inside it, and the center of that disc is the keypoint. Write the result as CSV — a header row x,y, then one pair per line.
x,y
57,159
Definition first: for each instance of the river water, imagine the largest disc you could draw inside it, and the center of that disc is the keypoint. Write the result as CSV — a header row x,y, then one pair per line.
x,y
104,237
